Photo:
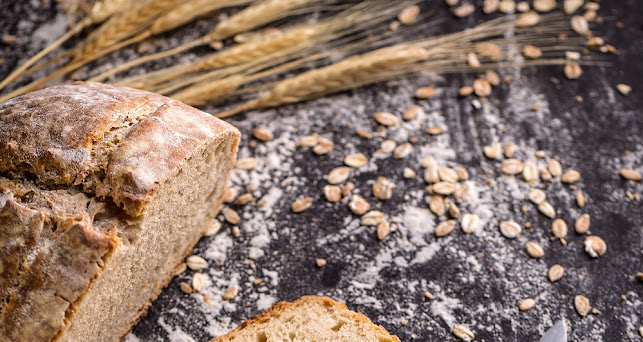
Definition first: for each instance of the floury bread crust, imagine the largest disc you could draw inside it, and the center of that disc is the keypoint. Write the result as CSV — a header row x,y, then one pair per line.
x,y
309,318
103,191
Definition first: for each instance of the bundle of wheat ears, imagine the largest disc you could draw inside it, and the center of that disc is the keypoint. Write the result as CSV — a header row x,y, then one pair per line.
x,y
345,47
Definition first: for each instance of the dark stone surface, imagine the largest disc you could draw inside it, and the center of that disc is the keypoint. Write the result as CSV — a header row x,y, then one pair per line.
x,y
591,136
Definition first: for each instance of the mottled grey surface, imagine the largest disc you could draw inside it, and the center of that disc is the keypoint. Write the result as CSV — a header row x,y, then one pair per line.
x,y
386,280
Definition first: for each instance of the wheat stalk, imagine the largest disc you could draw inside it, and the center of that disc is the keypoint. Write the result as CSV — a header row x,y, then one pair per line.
x,y
204,93
99,13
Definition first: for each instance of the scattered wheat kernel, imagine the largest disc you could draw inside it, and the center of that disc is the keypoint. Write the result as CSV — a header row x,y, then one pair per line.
x,y
454,211
394,25
448,174
630,174
470,223
246,164
431,174
402,151
536,196
213,228
555,273
570,6
444,228
581,200
302,204
528,19
347,188
364,134
461,193
372,218
492,151
262,134
545,175
492,77
409,15
572,70
408,173
411,113
531,51
229,195
463,174
320,262
324,146
428,295
383,188
534,249
595,246
356,160
308,141
527,304
436,205
358,205
463,333
196,263
582,224
339,175
581,303
522,7
490,6
507,6
473,60
481,87
180,269
231,216
463,10
544,5
580,25
332,193
434,130
444,188
547,209
386,119
387,146
185,287
530,172
425,92
510,229
511,166
554,167
231,292
426,161
623,89
559,228
198,282
383,229
570,176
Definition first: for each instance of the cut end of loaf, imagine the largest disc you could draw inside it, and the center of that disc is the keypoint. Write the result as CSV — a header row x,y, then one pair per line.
x,y
309,318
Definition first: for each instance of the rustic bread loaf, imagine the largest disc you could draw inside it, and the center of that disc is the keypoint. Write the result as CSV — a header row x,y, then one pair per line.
x,y
310,318
103,191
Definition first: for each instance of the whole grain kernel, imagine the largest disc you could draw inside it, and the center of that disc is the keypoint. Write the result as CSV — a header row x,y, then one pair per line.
x,y
231,292
492,151
460,194
320,262
332,193
530,172
402,151
196,263
630,174
470,223
582,224
408,173
536,196
463,174
581,303
624,89
463,10
436,205
472,60
231,216
244,199
547,209
448,174
545,175
581,200
559,228
444,188
356,160
595,246
339,175
481,87
492,77
198,282
511,166
454,211
444,228
570,176
302,204
554,168
425,92
358,205
534,249
571,6
451,2
426,161
555,273
229,195
510,149
572,55
213,228
527,304
409,14
388,146
383,230
411,113
324,146
383,188
510,229
580,25
372,218
531,51
544,5
185,287
434,130
308,141
507,6
522,6
490,6
528,19
431,174
572,70
386,119
347,188
246,164
428,295
463,333
263,134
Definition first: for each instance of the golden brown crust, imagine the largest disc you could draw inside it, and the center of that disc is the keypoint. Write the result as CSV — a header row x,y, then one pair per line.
x,y
281,307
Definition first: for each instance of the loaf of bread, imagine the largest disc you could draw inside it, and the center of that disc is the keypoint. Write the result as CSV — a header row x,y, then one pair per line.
x,y
103,191
310,318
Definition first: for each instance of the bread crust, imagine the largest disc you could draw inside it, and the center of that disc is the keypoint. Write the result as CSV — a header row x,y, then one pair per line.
x,y
281,307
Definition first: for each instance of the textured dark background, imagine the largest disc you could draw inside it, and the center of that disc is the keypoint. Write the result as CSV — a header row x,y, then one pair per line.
x,y
589,136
